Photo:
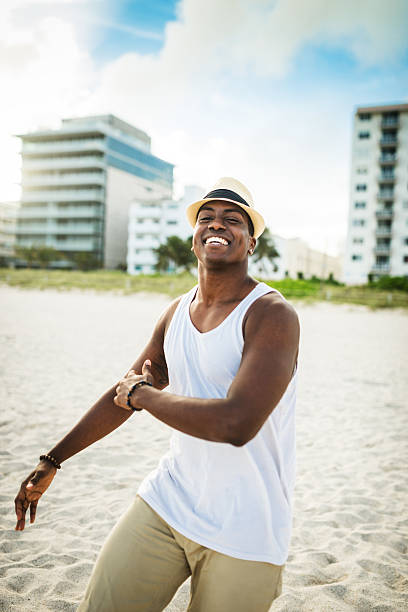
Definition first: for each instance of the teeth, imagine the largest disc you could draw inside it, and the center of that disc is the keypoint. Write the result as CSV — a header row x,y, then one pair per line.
x,y
216,239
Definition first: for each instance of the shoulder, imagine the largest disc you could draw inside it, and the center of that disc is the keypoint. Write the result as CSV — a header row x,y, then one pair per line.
x,y
270,313
169,312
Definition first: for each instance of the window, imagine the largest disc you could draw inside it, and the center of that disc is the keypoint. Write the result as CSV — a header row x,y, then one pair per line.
x,y
405,259
356,257
171,222
364,116
363,135
361,187
358,240
406,241
358,222
362,170
359,204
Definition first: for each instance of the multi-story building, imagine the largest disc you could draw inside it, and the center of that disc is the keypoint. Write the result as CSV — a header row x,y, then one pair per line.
x,y
8,220
78,183
377,237
151,222
296,259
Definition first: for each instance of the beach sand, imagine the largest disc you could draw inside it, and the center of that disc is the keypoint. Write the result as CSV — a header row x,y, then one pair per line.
x,y
60,351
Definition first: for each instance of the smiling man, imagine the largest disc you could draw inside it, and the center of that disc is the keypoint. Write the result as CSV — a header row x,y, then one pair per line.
x,y
218,506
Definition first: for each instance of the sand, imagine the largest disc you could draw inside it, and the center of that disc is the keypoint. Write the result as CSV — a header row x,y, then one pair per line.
x,y
60,351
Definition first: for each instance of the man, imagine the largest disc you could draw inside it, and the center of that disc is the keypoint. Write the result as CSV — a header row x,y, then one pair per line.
x,y
218,507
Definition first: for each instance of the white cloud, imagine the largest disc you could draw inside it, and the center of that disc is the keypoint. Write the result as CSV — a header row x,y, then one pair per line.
x,y
45,74
202,97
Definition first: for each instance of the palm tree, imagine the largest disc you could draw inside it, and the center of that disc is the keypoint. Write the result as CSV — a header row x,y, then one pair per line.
x,y
174,251
265,251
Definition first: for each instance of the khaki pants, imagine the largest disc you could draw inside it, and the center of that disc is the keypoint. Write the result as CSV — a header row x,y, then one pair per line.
x,y
144,561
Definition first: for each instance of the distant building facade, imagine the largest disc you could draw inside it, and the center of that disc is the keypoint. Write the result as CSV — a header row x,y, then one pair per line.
x,y
151,221
78,183
8,222
377,237
296,259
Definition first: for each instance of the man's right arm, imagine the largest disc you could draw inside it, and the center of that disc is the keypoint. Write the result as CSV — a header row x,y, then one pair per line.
x,y
102,418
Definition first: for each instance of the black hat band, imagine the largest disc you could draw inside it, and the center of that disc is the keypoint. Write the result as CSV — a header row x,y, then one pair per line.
x,y
226,193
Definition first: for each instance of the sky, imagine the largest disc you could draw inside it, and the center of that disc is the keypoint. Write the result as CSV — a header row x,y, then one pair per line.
x,y
261,90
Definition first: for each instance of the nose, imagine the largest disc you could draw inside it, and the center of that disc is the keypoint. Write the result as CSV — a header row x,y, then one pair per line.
x,y
216,223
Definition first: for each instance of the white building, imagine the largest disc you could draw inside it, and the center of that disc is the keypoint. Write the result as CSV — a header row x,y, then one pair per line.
x,y
8,221
78,183
151,222
296,258
377,237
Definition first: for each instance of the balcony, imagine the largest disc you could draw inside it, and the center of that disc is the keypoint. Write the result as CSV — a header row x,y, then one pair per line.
x,y
80,178
385,194
381,268
86,244
383,232
64,195
147,214
387,179
66,212
144,243
54,228
390,123
382,249
388,159
64,146
389,141
147,227
384,214
62,163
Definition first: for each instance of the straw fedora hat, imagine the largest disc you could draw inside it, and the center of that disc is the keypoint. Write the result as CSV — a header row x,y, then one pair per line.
x,y
229,189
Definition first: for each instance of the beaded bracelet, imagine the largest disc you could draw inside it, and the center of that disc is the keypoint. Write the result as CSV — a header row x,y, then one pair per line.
x,y
135,386
51,459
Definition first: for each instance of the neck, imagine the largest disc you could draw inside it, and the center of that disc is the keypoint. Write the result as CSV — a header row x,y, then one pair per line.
x,y
223,285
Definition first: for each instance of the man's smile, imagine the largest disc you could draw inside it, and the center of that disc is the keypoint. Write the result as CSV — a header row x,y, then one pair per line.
x,y
216,240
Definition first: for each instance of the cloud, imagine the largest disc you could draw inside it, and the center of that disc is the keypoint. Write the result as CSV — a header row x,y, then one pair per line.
x,y
122,27
45,74
213,98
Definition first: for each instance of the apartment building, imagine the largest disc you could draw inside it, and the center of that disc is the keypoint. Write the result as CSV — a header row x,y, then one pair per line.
x,y
151,222
377,236
8,221
296,258
78,183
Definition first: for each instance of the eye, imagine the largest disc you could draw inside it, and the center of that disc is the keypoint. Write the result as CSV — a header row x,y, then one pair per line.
x,y
204,219
233,220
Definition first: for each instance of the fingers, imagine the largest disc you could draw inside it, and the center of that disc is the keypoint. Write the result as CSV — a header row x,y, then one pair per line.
x,y
21,508
146,368
33,511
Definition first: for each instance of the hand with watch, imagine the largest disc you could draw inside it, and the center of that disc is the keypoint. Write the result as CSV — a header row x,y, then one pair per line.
x,y
125,391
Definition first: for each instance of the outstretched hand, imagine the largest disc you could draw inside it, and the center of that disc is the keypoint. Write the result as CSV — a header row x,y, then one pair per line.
x,y
129,380
31,490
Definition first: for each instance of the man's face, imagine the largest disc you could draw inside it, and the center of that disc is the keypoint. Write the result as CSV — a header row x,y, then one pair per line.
x,y
221,233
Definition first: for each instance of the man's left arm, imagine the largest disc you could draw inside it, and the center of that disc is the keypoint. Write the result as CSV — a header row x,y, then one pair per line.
x,y
268,362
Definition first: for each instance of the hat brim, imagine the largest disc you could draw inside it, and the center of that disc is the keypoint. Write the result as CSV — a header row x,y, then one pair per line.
x,y
256,218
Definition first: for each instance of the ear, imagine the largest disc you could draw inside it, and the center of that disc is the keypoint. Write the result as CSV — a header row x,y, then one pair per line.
x,y
251,244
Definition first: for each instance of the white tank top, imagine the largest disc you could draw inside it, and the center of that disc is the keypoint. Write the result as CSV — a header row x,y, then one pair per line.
x,y
235,500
